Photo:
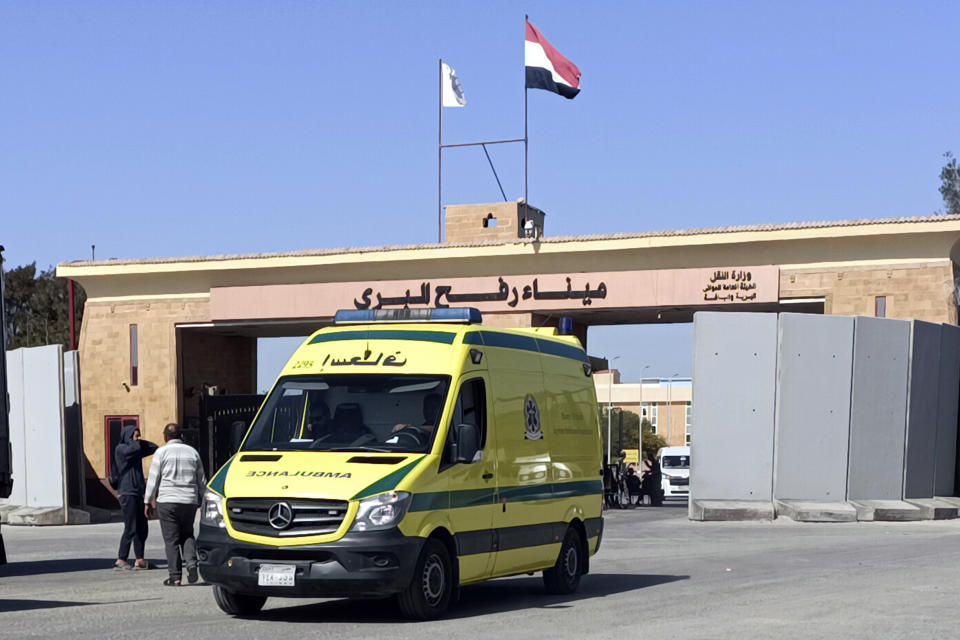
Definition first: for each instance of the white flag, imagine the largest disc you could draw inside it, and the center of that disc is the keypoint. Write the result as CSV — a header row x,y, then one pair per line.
x,y
452,92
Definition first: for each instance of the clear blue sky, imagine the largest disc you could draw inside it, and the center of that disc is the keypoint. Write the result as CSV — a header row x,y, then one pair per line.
x,y
173,128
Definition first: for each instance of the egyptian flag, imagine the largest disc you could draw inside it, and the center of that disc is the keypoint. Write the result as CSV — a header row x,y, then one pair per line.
x,y
547,68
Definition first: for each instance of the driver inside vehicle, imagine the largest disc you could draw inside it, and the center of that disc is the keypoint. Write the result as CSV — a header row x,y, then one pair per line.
x,y
318,420
432,407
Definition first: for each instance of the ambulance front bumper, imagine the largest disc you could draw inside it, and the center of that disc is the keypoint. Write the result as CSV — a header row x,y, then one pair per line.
x,y
363,564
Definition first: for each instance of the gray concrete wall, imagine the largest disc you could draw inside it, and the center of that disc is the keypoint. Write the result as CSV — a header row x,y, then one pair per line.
x,y
36,425
813,407
945,467
734,388
71,378
878,409
74,458
17,425
922,403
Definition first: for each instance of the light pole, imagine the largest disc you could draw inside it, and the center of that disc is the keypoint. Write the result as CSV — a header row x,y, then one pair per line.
x,y
640,428
670,408
610,407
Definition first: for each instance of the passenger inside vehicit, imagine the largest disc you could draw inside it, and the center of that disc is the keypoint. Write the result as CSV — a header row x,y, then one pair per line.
x,y
420,435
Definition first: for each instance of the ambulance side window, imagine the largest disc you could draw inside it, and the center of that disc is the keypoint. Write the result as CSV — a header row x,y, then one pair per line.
x,y
470,408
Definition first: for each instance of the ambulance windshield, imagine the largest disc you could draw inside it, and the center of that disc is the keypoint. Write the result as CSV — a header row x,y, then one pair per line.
x,y
351,413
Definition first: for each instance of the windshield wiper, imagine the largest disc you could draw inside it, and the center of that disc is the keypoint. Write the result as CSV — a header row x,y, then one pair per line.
x,y
360,448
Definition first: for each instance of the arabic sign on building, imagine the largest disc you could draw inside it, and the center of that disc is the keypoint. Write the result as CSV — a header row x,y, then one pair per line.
x,y
443,295
505,293
731,285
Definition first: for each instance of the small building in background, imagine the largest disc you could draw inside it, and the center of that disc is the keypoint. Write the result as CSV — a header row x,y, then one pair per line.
x,y
666,402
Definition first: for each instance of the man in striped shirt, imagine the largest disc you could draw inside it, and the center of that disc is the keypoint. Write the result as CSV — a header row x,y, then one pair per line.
x,y
174,489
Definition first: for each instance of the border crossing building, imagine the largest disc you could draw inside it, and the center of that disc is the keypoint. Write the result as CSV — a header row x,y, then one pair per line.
x,y
163,337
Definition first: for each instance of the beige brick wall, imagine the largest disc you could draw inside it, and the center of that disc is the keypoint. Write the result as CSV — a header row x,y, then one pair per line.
x,y
105,366
465,222
923,291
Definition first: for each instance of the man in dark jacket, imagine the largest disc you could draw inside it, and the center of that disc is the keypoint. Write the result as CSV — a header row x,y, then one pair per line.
x,y
652,480
128,457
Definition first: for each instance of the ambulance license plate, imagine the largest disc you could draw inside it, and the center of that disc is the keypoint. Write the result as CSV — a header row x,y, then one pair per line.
x,y
276,575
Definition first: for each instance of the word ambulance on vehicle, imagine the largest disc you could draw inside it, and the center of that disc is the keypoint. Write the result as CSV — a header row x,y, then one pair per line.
x,y
407,453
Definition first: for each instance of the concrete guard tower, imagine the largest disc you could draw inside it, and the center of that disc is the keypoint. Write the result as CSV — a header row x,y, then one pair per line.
x,y
496,222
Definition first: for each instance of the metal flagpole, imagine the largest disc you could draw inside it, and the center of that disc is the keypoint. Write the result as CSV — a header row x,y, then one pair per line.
x,y
482,143
440,151
526,142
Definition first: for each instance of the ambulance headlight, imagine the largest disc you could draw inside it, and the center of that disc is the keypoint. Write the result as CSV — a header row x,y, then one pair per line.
x,y
211,512
383,511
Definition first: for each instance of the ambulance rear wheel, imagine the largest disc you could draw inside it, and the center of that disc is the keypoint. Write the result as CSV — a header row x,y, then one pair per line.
x,y
237,604
564,577
430,591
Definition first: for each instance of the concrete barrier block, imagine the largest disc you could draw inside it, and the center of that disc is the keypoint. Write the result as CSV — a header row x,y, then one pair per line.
x,y
813,511
886,510
933,509
46,516
878,408
734,392
729,510
5,510
947,411
922,407
813,408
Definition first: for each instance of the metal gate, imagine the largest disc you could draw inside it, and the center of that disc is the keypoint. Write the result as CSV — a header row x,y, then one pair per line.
x,y
223,423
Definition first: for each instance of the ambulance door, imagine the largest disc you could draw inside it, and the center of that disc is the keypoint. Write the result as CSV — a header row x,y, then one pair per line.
x,y
472,485
525,514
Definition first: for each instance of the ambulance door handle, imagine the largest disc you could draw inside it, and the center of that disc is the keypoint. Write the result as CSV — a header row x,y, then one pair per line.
x,y
487,475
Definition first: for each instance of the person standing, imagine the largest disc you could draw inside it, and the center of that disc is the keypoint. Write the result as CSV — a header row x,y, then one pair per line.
x,y
174,489
652,479
128,457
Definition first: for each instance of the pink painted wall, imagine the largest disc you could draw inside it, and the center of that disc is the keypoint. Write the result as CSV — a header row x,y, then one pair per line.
x,y
599,290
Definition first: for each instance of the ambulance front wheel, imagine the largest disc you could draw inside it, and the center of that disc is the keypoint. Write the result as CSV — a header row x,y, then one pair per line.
x,y
237,604
431,588
564,577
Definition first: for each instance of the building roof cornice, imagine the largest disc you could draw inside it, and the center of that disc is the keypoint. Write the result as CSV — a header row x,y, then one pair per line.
x,y
556,244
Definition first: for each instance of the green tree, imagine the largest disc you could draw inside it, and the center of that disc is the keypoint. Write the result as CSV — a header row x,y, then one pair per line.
x,y
37,306
950,184
631,432
651,441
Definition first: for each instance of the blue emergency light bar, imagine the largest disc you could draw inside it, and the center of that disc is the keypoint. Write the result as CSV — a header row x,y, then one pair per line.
x,y
463,315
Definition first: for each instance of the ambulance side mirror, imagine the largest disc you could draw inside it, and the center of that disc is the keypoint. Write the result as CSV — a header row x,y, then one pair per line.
x,y
466,443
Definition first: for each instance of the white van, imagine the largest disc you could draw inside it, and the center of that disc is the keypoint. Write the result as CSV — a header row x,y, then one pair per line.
x,y
675,468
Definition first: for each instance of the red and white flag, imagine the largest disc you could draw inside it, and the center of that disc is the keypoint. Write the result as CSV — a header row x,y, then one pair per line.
x,y
547,68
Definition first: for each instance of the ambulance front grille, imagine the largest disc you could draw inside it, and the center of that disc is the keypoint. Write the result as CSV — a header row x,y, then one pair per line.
x,y
306,517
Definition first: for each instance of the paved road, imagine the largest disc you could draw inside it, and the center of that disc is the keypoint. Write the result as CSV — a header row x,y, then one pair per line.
x,y
657,573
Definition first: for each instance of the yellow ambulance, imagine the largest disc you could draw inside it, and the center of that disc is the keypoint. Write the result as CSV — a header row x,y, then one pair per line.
x,y
410,452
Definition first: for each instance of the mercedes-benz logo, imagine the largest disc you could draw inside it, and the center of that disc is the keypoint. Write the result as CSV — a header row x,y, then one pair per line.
x,y
280,515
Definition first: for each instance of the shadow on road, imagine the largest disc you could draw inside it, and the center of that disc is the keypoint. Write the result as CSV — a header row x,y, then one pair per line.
x,y
60,565
29,605
496,596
